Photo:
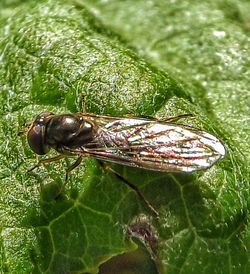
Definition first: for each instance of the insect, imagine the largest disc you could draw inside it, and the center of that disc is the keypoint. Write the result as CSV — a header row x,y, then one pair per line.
x,y
160,145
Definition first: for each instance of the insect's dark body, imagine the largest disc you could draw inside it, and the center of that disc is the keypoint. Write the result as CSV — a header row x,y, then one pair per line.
x,y
143,143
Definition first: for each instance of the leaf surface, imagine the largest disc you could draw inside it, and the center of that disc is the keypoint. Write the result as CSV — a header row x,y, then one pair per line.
x,y
56,52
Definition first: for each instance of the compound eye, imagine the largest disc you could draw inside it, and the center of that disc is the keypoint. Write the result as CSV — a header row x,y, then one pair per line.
x,y
36,136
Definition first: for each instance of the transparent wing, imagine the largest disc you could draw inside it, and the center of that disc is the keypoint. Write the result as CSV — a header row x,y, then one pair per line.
x,y
152,144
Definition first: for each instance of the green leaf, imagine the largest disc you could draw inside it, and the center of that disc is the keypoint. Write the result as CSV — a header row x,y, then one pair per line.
x,y
51,54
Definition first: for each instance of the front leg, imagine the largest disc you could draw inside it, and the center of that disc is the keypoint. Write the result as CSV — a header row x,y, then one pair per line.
x,y
46,161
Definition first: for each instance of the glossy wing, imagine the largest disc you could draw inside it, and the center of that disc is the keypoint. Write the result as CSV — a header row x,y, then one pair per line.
x,y
153,144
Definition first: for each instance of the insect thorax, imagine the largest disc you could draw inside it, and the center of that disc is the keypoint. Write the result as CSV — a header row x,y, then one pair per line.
x,y
68,130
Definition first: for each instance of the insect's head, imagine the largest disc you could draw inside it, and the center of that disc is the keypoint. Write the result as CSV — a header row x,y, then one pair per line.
x,y
36,133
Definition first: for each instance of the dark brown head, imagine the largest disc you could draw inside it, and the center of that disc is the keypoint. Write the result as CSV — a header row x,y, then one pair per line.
x,y
36,133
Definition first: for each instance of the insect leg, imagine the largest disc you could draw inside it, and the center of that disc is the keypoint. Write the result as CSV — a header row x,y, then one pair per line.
x,y
83,101
176,118
132,186
70,168
46,161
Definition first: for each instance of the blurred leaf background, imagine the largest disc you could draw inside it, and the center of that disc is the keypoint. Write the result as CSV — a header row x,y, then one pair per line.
x,y
156,58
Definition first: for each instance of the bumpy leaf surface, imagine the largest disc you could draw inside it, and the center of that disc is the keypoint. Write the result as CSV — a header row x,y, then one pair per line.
x,y
154,58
